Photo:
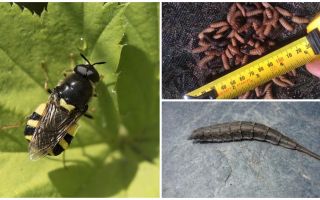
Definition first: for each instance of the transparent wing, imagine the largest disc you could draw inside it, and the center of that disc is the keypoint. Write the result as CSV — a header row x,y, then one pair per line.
x,y
53,127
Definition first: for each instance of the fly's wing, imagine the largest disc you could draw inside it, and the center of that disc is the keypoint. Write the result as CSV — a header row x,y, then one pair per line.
x,y
53,127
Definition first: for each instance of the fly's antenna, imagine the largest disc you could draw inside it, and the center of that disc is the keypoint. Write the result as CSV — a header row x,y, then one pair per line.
x,y
85,58
97,63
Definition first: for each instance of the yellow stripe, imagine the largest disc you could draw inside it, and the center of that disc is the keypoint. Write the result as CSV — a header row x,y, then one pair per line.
x,y
41,108
28,137
63,144
72,129
64,104
32,123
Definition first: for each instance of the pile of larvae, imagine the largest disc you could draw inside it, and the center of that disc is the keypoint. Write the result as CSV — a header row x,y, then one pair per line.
x,y
244,35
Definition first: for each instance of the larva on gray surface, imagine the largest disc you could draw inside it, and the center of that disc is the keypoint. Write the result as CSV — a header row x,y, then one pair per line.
x,y
219,24
286,24
205,60
283,11
200,49
243,130
300,20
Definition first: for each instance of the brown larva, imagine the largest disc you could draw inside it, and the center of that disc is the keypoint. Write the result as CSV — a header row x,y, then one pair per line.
x,y
258,91
267,30
238,60
231,34
245,95
241,8
266,4
233,41
286,24
233,20
233,49
250,42
238,37
203,43
269,13
232,9
225,61
254,12
217,36
300,20
285,80
280,83
283,11
205,60
257,51
200,49
244,60
212,53
268,91
228,54
218,24
222,29
245,27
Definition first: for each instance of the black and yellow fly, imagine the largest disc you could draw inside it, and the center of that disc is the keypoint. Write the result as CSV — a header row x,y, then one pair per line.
x,y
51,128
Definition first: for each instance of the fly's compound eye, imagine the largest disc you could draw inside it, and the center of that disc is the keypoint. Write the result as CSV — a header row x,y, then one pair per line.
x,y
87,71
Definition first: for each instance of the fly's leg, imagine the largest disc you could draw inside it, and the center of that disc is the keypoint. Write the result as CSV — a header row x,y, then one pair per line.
x,y
46,76
5,127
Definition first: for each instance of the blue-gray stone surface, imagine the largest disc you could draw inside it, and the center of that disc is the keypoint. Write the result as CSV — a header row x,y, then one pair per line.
x,y
240,169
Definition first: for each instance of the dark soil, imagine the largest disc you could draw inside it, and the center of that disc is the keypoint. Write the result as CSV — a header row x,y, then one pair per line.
x,y
181,23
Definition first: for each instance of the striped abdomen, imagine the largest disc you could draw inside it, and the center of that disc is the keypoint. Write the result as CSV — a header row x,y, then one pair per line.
x,y
236,131
34,122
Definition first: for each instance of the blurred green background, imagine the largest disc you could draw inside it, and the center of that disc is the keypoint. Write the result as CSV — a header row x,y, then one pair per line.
x,y
117,153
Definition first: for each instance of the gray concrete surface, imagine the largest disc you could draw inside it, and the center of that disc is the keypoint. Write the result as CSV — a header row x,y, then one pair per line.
x,y
239,169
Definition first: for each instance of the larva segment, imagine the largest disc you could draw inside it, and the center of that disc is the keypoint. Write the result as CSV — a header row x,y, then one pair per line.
x,y
243,130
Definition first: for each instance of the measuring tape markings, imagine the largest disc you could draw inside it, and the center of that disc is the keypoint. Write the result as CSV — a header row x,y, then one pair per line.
x,y
258,72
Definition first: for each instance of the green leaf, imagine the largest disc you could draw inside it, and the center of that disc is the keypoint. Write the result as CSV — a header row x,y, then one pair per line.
x,y
117,153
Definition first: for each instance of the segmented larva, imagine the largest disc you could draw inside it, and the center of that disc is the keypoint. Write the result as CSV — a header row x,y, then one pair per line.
x,y
233,49
238,59
245,27
257,51
200,49
241,8
205,60
203,43
232,9
245,95
225,61
283,11
212,53
228,54
285,80
244,60
238,37
233,19
233,41
266,4
254,12
257,44
268,91
258,91
231,34
269,13
219,24
222,29
218,36
250,42
300,20
280,83
286,24
267,30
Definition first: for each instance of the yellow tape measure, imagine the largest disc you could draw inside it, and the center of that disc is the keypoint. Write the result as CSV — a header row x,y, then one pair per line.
x,y
260,71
